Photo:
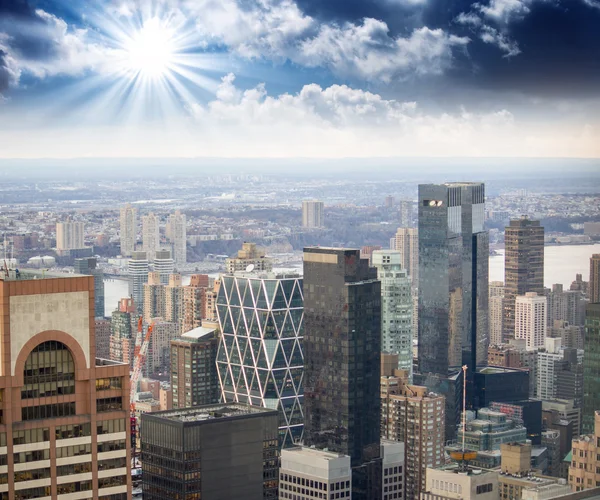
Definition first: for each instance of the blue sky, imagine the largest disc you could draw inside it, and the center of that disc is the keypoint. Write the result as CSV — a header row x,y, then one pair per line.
x,y
299,78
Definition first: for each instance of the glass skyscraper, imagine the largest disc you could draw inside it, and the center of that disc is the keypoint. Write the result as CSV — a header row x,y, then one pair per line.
x,y
342,345
260,359
453,287
591,367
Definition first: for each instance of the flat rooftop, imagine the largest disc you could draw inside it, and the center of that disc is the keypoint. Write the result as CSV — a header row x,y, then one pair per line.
x,y
197,334
211,412
315,453
35,274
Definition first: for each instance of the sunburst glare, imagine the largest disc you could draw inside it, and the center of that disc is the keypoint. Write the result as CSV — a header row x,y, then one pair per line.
x,y
150,51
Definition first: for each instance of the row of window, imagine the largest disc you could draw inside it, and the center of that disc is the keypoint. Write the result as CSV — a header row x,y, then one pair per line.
x,y
48,411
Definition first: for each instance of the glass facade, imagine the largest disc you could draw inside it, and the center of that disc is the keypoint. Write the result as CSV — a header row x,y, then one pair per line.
x,y
260,360
591,367
49,371
342,344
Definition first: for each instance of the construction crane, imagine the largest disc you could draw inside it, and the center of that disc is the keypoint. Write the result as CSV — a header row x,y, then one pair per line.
x,y
140,352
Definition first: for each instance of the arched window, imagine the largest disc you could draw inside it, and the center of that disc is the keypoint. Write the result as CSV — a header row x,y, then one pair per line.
x,y
49,371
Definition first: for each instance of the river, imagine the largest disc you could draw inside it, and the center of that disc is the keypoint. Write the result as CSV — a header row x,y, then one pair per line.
x,y
561,264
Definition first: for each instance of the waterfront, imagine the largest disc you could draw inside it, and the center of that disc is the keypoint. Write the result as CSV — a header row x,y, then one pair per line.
x,y
561,265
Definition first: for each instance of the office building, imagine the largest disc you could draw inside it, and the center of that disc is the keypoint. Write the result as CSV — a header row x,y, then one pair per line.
x,y
150,235
177,233
460,483
260,359
154,298
249,258
406,213
496,312
174,301
90,267
453,290
584,472
591,366
65,413
308,473
194,379
137,270
342,304
406,241
515,355
312,214
123,325
530,320
414,416
523,265
206,461
551,441
128,230
528,411
491,383
396,308
69,236
195,302
393,476
594,283
566,410
103,332
164,265
565,306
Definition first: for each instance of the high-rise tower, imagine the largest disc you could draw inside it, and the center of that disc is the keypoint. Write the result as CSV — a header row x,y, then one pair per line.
x,y
150,235
137,269
312,214
177,234
594,286
453,288
591,366
342,344
523,265
406,241
128,228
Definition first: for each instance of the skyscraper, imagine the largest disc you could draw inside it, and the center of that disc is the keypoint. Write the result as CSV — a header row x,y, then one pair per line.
x,y
591,367
154,298
406,241
453,288
178,236
137,269
396,308
128,230
530,320
65,413
312,214
194,302
496,312
164,265
150,235
260,359
342,346
174,300
523,265
594,286
69,236
122,337
218,451
194,378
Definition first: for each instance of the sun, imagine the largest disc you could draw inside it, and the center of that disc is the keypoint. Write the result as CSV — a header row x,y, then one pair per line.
x,y
151,49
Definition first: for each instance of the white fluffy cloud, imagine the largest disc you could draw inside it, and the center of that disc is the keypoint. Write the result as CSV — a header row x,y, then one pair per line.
x,y
278,30
495,37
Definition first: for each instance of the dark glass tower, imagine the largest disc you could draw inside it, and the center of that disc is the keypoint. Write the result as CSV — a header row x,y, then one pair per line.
x,y
591,367
342,344
453,288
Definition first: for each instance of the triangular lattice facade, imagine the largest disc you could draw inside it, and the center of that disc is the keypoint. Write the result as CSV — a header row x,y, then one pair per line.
x,y
260,359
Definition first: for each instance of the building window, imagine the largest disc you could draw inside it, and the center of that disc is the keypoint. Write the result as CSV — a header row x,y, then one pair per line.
x,y
73,431
109,404
49,371
47,411
104,384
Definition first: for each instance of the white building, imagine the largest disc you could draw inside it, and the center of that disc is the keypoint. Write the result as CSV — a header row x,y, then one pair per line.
x,y
546,368
308,473
128,228
530,319
150,235
137,269
396,307
406,241
164,265
393,471
69,236
453,483
312,213
496,312
177,234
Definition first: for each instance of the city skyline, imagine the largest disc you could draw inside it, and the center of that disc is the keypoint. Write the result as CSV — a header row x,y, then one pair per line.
x,y
293,78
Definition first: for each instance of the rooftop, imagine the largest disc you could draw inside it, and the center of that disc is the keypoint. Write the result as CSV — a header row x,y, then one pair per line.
x,y
35,274
197,333
212,412
314,452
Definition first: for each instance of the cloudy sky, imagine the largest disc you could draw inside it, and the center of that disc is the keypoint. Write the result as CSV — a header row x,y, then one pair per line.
x,y
299,78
